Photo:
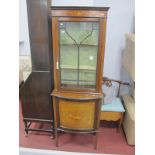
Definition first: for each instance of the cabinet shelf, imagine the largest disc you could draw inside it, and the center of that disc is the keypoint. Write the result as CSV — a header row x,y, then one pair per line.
x,y
89,45
81,69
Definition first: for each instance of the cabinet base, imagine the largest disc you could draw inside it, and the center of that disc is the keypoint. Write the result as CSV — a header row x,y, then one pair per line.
x,y
70,131
29,121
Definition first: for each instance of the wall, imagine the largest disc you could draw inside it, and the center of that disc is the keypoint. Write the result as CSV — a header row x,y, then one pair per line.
x,y
120,21
24,43
25,66
72,2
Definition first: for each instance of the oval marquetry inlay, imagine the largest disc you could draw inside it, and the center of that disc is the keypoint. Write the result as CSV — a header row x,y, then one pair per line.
x,y
79,13
74,117
102,14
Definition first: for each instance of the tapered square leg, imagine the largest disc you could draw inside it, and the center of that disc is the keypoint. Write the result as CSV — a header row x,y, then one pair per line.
x,y
56,138
96,138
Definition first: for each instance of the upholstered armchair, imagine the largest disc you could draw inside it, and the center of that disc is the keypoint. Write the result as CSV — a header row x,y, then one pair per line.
x,y
112,108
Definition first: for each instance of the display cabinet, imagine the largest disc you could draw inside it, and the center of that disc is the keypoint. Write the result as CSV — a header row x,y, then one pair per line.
x,y
78,56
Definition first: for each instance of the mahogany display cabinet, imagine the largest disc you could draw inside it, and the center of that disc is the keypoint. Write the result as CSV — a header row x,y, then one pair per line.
x,y
78,56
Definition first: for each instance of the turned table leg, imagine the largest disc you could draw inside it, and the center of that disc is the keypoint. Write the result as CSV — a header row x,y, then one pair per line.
x,y
26,128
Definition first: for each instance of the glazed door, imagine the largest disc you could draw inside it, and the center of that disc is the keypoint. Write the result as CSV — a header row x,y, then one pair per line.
x,y
76,52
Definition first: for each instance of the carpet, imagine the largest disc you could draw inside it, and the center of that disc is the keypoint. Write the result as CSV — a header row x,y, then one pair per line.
x,y
109,142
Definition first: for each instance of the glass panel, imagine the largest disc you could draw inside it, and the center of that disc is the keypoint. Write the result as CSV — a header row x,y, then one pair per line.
x,y
78,54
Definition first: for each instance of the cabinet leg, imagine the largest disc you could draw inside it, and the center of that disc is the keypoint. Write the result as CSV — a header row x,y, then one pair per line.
x,y
26,128
96,139
26,134
52,136
53,133
56,138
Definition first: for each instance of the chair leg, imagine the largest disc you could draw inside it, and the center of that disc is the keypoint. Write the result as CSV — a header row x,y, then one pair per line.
x,y
96,138
120,123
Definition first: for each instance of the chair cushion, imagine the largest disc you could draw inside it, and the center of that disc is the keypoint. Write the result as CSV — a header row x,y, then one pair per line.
x,y
114,106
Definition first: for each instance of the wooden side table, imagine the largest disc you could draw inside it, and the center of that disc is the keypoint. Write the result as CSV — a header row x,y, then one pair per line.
x,y
113,112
